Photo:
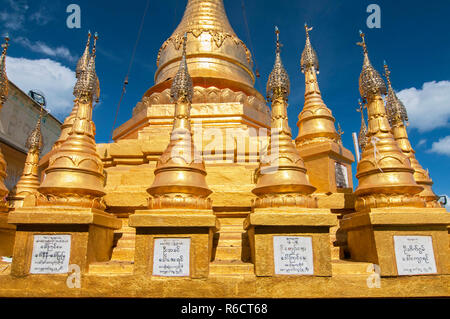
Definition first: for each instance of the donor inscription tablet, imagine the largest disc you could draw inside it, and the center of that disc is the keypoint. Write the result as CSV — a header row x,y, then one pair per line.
x,y
414,255
51,254
293,255
171,257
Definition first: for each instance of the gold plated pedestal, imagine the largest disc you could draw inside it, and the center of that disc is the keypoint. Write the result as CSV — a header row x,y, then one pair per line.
x,y
197,225
265,223
91,232
320,161
371,235
7,233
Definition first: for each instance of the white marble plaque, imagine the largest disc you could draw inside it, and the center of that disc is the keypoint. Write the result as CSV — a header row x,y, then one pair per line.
x,y
341,175
51,254
171,257
293,255
414,255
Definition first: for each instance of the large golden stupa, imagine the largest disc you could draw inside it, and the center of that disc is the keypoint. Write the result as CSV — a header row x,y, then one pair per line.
x,y
205,192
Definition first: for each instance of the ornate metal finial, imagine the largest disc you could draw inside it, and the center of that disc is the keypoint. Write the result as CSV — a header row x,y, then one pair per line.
x,y
363,42
395,109
94,48
370,81
4,83
340,133
363,131
84,60
182,86
35,139
278,84
307,29
87,85
309,57
277,33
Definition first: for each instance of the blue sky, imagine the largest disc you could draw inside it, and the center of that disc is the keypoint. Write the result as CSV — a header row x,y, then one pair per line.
x,y
413,39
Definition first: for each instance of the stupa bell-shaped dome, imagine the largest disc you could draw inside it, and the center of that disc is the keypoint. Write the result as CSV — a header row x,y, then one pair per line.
x,y
213,49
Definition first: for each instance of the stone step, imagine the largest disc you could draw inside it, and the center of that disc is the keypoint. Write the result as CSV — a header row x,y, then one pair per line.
x,y
229,243
231,268
228,253
224,230
232,220
111,267
349,267
123,254
230,236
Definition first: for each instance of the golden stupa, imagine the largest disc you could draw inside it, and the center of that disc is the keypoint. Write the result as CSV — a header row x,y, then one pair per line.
x,y
205,193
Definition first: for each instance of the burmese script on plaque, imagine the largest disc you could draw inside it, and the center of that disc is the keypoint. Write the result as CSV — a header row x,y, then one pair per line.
x,y
414,255
51,254
293,255
171,257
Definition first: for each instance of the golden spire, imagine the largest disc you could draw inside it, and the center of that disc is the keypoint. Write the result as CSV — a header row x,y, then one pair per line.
x,y
309,57
182,86
398,115
213,51
281,176
362,140
370,81
316,121
180,176
385,174
35,139
75,173
4,83
278,85
66,127
29,181
84,60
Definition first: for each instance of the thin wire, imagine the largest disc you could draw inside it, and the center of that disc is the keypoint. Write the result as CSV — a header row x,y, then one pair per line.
x,y
125,82
251,43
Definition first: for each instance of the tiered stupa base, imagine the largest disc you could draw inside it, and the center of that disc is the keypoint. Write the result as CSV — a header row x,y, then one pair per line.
x,y
231,273
91,234
195,225
313,224
378,235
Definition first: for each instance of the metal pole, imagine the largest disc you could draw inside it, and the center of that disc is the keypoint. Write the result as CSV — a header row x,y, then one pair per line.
x,y
355,144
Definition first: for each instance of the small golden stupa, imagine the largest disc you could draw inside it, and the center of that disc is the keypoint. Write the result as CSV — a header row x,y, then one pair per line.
x,y
398,116
383,168
29,182
318,141
204,193
281,176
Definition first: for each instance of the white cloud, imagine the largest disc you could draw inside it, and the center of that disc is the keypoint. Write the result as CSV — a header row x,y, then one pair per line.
x,y
13,17
41,17
429,107
53,79
40,47
442,146
421,142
